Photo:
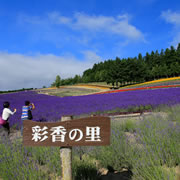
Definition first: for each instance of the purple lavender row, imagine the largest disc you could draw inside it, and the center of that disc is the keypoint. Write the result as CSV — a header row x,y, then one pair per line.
x,y
51,108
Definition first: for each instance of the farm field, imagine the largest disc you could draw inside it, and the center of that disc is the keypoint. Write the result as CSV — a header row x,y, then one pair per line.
x,y
159,82
102,87
90,90
77,90
51,108
145,147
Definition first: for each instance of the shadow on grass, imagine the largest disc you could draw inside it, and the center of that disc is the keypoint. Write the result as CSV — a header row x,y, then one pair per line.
x,y
91,173
114,175
86,173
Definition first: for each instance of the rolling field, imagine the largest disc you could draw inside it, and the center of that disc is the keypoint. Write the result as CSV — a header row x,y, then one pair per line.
x,y
77,90
51,108
159,82
146,148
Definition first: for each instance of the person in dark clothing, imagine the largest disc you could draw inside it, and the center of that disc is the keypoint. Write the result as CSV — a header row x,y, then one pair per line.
x,y
6,115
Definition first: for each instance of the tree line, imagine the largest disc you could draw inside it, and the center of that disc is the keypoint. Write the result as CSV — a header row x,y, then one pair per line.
x,y
152,66
17,90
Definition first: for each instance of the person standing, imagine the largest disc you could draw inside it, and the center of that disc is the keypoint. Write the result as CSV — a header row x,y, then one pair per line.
x,y
26,113
5,116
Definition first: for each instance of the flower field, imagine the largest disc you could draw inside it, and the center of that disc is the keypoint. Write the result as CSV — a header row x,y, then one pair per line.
x,y
93,86
146,149
164,81
140,88
51,108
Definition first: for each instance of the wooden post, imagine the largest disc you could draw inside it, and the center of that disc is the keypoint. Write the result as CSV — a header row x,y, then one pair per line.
x,y
66,157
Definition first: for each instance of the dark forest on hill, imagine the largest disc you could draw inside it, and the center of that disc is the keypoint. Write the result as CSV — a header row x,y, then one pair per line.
x,y
152,66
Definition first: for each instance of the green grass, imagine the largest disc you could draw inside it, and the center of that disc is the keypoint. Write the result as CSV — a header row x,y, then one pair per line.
x,y
97,84
157,145
128,126
84,169
129,109
71,92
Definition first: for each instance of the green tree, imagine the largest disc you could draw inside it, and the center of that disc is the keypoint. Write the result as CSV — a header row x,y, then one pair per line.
x,y
155,72
111,74
175,69
178,54
76,79
58,81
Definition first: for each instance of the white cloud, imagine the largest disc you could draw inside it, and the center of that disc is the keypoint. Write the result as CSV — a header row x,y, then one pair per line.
x,y
54,17
176,39
23,71
173,18
81,22
91,57
117,25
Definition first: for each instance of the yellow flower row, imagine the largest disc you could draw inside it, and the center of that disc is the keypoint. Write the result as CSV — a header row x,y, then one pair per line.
x,y
92,86
156,81
82,85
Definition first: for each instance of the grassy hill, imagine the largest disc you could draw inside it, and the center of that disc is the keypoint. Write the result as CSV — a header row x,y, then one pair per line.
x,y
101,87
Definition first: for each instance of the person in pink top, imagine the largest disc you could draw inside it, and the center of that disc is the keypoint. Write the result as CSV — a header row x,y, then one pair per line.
x,y
5,116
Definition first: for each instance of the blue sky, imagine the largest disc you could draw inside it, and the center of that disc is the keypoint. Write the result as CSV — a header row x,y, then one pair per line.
x,y
43,38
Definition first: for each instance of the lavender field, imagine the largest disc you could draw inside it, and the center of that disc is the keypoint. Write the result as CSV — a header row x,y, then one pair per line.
x,y
147,149
51,108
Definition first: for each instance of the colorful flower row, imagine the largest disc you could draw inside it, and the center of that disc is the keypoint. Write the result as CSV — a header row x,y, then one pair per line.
x,y
141,88
83,85
92,86
155,81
